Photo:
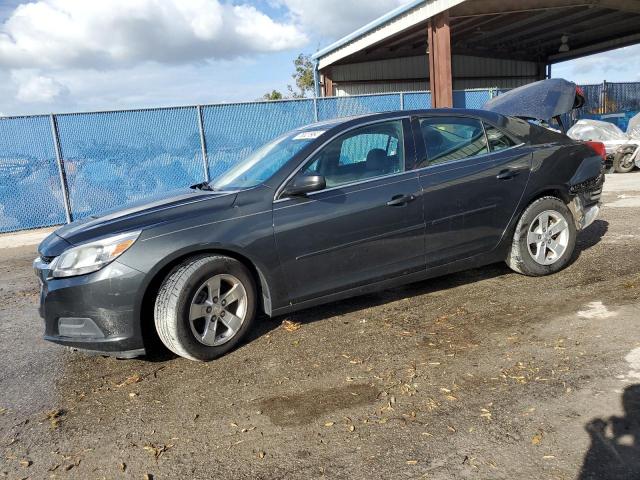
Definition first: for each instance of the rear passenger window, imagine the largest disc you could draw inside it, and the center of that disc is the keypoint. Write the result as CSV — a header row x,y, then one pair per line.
x,y
498,140
452,138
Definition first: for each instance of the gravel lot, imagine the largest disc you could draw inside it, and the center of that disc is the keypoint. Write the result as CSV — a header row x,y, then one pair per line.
x,y
481,374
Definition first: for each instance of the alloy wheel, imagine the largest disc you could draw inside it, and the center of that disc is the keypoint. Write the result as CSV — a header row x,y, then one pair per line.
x,y
548,237
218,310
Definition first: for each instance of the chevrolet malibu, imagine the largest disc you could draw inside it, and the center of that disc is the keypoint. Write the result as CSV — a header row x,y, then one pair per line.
x,y
319,214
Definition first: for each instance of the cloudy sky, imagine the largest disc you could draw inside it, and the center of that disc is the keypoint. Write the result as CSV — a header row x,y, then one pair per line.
x,y
79,55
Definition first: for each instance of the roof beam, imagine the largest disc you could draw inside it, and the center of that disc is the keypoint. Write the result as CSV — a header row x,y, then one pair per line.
x,y
553,30
488,7
544,20
604,46
492,7
631,6
475,25
625,26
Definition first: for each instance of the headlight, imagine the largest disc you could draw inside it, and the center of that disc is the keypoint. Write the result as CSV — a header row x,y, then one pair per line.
x,y
91,257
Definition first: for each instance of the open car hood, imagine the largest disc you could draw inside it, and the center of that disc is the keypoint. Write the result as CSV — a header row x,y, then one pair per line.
x,y
541,100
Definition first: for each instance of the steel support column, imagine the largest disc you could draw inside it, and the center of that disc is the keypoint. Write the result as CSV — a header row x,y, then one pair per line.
x,y
440,78
61,170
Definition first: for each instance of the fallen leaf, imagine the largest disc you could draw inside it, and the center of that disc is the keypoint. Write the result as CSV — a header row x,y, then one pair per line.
x,y
25,463
130,380
537,438
329,424
54,417
157,449
412,462
3,411
290,326
261,454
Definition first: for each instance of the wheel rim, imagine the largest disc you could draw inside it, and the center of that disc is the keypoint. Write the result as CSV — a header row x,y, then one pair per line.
x,y
548,237
627,161
218,310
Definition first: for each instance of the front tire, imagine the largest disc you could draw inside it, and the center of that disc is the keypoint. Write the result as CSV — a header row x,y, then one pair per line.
x,y
205,307
544,239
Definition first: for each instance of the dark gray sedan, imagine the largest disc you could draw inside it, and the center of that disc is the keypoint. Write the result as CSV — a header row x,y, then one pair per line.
x,y
325,212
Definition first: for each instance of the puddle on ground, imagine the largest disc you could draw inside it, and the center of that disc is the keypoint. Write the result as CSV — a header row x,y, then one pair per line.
x,y
304,408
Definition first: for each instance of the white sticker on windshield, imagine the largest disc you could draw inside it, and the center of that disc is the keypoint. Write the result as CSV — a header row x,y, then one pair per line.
x,y
309,135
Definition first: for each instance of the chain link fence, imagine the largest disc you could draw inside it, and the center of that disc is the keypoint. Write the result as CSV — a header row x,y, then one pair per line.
x,y
60,167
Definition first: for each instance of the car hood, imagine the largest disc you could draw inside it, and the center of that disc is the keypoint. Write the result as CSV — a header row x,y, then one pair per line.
x,y
541,100
136,216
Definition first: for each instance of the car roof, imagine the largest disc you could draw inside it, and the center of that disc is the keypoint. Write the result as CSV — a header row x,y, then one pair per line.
x,y
356,119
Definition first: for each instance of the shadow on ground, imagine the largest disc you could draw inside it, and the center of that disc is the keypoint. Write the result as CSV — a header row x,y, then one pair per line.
x,y
614,453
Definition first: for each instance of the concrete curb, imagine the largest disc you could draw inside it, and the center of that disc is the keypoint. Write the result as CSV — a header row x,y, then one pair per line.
x,y
25,238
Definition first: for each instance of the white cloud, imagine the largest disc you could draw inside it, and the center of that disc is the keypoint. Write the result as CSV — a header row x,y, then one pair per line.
x,y
613,66
336,18
83,34
34,88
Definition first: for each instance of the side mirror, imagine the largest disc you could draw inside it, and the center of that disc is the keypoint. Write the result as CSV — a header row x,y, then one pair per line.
x,y
303,184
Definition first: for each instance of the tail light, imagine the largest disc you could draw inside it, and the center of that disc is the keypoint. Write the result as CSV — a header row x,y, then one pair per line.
x,y
599,148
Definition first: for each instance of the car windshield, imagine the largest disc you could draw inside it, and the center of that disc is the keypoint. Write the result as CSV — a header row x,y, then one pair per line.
x,y
262,164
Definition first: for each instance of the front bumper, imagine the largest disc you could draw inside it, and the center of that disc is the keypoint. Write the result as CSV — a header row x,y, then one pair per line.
x,y
93,312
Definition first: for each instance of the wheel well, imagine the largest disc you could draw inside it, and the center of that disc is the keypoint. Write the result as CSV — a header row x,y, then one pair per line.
x,y
147,325
552,192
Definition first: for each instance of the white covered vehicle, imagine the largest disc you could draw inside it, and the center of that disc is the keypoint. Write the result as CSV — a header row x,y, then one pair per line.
x,y
623,149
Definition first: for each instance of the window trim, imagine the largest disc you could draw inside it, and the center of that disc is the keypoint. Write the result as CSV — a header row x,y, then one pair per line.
x,y
453,162
305,162
468,117
484,127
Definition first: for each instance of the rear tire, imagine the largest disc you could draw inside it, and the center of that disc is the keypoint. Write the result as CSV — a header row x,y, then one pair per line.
x,y
544,239
622,162
205,307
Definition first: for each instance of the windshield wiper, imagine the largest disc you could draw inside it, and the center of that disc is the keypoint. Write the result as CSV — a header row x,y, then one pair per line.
x,y
202,186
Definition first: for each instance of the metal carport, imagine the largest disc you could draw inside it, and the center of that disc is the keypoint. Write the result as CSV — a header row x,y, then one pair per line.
x,y
472,44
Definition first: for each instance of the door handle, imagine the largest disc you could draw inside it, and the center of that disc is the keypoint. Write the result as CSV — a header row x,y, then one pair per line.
x,y
507,174
400,200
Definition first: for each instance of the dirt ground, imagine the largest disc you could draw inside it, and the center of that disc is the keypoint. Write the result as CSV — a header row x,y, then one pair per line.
x,y
481,374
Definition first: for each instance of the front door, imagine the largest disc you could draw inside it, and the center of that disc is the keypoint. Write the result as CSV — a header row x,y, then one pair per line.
x,y
473,177
367,225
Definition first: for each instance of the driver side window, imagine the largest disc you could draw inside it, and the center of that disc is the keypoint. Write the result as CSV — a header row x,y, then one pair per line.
x,y
367,152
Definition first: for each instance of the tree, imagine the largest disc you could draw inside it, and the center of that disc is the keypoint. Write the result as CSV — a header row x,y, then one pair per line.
x,y
273,95
303,77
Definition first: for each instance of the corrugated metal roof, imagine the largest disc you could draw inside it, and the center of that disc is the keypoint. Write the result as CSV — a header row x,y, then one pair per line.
x,y
392,23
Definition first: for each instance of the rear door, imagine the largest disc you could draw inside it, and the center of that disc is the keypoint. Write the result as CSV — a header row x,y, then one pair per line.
x,y
366,226
473,176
